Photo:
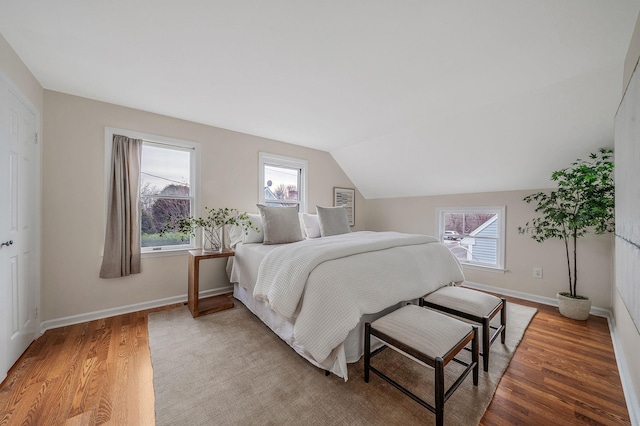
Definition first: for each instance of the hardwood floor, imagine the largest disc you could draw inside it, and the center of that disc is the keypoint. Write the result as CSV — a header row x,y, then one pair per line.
x,y
563,372
92,373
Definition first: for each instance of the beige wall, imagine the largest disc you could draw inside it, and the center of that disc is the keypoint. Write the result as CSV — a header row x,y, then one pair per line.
x,y
522,253
627,333
17,72
73,201
631,59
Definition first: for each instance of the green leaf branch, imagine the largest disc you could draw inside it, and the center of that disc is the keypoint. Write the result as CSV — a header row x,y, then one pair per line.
x,y
214,218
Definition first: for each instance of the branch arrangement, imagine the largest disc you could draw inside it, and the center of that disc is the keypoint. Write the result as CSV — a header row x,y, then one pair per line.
x,y
214,218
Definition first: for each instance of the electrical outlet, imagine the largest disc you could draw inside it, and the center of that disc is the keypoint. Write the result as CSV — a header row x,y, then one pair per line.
x,y
537,272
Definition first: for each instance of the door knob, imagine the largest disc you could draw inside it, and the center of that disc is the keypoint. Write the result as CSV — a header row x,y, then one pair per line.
x,y
7,243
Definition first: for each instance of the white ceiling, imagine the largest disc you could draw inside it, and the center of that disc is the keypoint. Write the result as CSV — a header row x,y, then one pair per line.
x,y
412,97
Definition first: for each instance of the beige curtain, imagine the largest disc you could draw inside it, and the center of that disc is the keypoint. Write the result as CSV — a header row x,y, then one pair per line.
x,y
122,238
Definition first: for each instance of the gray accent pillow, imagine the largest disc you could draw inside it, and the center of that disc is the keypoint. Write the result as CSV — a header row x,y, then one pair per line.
x,y
280,225
333,221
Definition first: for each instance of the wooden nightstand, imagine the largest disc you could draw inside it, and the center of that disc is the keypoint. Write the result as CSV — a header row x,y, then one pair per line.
x,y
207,305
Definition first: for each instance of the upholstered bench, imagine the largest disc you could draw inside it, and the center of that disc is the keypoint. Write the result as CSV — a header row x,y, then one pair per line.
x,y
429,337
474,306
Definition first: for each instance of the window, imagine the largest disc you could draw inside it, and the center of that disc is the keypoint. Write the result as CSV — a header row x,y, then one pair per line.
x,y
282,181
168,186
475,235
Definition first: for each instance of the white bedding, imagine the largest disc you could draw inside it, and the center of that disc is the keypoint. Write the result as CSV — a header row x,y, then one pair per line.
x,y
336,281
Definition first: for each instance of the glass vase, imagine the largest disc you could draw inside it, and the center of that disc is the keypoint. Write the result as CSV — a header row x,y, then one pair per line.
x,y
213,238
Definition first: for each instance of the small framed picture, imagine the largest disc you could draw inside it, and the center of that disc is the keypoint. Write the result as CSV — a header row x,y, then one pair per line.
x,y
346,197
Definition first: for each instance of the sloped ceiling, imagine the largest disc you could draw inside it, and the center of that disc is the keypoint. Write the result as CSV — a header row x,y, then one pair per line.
x,y
410,97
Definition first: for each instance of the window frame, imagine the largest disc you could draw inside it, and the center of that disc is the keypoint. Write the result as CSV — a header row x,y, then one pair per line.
x,y
500,239
194,181
267,159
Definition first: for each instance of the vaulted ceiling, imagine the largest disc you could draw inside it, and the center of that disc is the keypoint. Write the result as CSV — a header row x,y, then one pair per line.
x,y
413,97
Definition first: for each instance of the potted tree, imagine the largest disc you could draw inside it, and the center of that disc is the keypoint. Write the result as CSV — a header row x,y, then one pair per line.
x,y
583,203
212,224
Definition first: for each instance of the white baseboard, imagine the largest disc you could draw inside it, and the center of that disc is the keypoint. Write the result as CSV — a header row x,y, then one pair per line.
x,y
601,312
633,403
105,313
630,396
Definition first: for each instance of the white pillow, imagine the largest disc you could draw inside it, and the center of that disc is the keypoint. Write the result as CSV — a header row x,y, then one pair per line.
x,y
333,221
280,224
311,225
237,235
253,236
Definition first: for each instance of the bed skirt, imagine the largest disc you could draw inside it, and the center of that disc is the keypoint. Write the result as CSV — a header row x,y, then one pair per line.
x,y
350,351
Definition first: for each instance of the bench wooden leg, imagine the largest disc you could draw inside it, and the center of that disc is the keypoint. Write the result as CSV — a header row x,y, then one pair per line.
x,y
486,342
367,351
475,355
439,396
503,320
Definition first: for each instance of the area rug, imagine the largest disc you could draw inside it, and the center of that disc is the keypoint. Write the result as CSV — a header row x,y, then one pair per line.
x,y
228,368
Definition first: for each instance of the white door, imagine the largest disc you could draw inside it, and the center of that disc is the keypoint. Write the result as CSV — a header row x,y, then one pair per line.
x,y
19,226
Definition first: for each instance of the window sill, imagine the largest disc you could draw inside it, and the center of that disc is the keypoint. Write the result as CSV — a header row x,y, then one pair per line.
x,y
165,253
484,268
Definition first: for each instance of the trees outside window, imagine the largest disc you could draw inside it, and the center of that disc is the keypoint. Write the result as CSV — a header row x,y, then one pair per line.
x,y
165,176
168,186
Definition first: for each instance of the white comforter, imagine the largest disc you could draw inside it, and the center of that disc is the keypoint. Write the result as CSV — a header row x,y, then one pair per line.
x,y
325,285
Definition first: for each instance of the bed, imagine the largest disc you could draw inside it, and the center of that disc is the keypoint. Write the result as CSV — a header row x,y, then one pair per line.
x,y
317,293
